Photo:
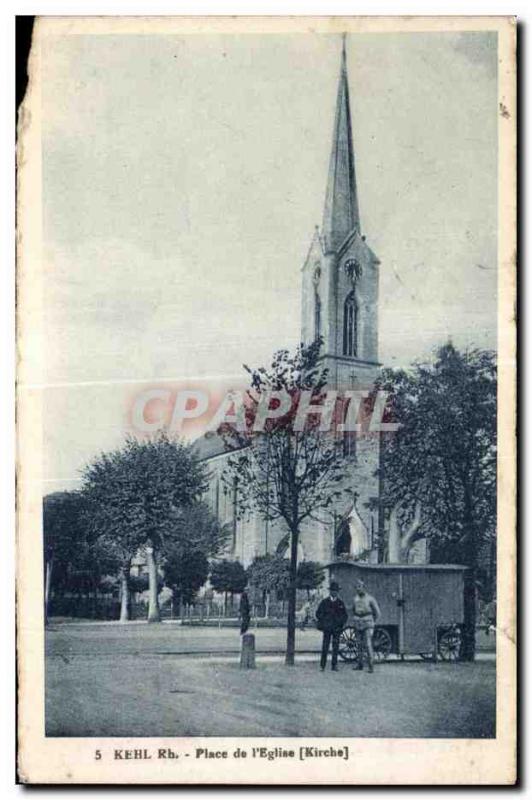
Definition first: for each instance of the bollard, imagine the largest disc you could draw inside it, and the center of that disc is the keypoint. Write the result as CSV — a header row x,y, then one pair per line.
x,y
247,653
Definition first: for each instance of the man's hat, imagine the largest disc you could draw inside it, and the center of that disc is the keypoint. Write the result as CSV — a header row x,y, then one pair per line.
x,y
334,587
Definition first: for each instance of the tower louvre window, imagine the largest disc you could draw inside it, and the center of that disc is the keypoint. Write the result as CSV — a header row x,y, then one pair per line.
x,y
317,315
349,444
350,325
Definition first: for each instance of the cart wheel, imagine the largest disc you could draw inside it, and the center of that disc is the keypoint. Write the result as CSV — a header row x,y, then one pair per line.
x,y
382,644
449,644
348,648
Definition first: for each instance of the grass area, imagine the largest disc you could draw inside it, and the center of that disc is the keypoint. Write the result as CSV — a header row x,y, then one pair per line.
x,y
116,681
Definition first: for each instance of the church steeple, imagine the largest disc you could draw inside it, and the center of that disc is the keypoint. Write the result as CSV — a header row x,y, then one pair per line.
x,y
340,214
340,287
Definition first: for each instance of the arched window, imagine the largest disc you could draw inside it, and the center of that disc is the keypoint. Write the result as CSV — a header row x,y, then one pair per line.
x,y
350,325
342,544
317,315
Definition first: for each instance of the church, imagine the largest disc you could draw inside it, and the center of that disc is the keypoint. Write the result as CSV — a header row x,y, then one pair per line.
x,y
340,283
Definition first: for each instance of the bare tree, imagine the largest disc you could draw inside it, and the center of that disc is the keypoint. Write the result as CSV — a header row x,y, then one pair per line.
x,y
288,466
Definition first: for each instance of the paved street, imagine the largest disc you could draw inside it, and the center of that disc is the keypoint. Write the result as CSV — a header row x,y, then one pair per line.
x,y
137,680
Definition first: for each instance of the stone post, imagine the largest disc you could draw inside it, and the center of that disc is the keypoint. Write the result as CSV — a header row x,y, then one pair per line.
x,y
247,652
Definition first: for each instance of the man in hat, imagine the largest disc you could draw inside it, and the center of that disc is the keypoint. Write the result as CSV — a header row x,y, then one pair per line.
x,y
244,612
331,616
366,612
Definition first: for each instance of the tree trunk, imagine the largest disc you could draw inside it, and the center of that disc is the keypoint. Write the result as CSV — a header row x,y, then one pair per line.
x,y
492,588
175,603
399,543
95,598
291,619
267,605
394,537
411,534
125,605
153,602
468,645
47,587
470,617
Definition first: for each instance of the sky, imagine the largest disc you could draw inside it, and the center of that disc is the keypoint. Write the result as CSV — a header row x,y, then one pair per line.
x,y
182,180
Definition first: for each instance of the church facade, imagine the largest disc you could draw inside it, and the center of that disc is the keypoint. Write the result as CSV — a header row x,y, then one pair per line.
x,y
340,282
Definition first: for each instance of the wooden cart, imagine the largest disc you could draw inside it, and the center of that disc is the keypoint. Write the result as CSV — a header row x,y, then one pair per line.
x,y
422,608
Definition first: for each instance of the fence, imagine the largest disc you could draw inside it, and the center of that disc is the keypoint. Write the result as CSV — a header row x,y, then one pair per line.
x,y
202,611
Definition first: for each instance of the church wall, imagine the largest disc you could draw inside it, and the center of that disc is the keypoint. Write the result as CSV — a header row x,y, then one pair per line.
x,y
362,482
253,537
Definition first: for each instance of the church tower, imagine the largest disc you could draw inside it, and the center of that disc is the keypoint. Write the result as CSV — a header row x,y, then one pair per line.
x,y
341,273
340,301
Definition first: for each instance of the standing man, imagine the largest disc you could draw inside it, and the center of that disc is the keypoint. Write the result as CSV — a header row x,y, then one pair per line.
x,y
245,615
366,612
331,616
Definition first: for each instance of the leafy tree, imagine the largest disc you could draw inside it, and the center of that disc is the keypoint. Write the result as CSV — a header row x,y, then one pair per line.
x,y
136,496
197,528
109,584
196,537
138,584
286,473
439,469
185,571
310,575
75,561
63,535
228,577
267,574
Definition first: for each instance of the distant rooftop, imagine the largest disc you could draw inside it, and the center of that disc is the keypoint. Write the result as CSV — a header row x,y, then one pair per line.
x,y
392,567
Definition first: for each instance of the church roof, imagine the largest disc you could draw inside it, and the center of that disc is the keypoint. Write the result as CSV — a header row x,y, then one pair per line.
x,y
340,214
209,446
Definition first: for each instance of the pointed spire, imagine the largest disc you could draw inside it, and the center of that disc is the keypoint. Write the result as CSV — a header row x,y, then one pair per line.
x,y
340,215
344,62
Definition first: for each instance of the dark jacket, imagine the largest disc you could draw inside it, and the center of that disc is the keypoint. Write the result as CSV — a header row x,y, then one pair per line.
x,y
245,617
331,615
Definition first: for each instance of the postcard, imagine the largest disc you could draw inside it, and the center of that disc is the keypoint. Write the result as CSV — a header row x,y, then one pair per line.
x,y
266,401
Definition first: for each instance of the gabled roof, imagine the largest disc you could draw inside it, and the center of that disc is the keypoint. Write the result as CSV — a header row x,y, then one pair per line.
x,y
209,446
315,250
362,242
